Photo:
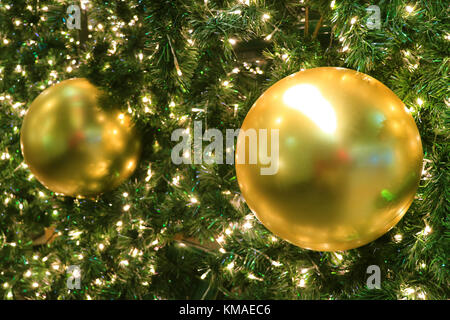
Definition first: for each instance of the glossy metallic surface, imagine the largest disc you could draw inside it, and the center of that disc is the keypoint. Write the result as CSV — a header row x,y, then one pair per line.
x,y
350,159
72,146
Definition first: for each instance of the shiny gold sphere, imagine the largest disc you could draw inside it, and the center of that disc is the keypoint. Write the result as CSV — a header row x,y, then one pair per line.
x,y
349,159
72,146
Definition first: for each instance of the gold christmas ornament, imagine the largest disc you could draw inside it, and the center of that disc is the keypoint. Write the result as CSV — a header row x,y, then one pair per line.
x,y
348,164
72,146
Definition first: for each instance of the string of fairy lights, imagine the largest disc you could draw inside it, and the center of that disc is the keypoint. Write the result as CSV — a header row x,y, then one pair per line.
x,y
113,31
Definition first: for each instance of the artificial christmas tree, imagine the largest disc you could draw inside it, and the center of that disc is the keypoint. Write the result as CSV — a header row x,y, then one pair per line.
x,y
184,231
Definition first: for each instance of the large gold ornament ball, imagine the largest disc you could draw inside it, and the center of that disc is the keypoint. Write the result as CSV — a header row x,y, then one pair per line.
x,y
72,146
342,163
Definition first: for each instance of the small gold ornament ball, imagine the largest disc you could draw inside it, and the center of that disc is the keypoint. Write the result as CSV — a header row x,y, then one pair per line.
x,y
72,146
349,159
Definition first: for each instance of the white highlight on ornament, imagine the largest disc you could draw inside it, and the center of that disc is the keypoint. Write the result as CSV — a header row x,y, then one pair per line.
x,y
308,100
